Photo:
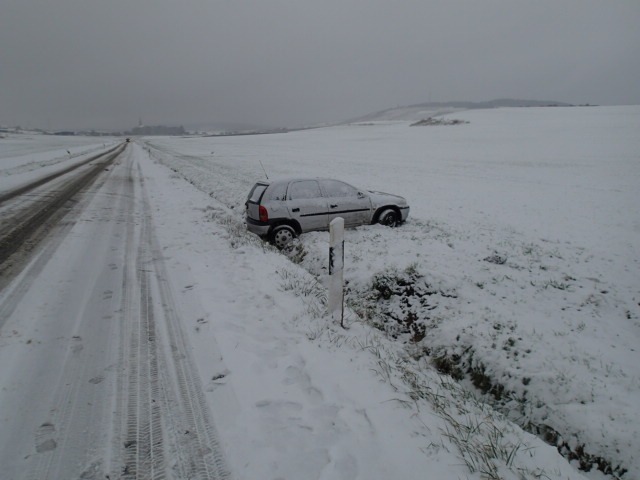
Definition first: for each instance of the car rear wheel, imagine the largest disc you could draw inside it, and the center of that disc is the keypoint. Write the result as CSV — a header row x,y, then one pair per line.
x,y
282,235
389,217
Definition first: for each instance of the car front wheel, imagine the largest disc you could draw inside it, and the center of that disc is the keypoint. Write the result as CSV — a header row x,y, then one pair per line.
x,y
389,218
282,236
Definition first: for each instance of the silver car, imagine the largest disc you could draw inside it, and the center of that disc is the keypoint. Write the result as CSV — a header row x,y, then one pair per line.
x,y
281,210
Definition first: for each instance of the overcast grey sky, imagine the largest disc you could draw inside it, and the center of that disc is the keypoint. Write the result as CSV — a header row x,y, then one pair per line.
x,y
105,63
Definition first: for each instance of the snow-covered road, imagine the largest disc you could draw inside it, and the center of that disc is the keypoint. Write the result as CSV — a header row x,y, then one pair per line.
x,y
97,378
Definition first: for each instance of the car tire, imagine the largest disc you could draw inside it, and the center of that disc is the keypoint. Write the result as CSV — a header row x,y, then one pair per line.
x,y
282,236
389,217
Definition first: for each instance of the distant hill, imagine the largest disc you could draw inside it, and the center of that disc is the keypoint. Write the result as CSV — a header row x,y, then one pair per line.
x,y
423,110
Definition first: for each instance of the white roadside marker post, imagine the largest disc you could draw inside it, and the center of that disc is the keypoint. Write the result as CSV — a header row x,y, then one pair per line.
x,y
336,269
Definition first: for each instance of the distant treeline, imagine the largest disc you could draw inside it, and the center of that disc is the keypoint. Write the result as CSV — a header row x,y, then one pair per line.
x,y
156,130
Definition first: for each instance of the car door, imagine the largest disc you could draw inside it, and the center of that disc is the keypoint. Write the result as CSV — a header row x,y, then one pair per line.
x,y
346,201
307,205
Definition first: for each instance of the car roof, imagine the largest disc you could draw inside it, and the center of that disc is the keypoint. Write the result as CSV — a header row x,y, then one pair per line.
x,y
295,179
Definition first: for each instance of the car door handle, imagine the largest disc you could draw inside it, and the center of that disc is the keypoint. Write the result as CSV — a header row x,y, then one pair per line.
x,y
333,206
295,209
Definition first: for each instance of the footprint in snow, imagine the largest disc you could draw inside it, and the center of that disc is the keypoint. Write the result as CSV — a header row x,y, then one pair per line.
x,y
297,376
44,438
96,380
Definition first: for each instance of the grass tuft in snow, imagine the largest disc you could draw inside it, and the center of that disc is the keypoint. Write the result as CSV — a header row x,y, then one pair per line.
x,y
399,303
486,441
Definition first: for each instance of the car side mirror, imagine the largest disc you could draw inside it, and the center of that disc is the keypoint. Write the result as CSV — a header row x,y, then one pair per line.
x,y
361,195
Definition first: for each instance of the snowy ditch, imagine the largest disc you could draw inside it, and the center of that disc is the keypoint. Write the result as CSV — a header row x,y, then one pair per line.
x,y
409,307
492,327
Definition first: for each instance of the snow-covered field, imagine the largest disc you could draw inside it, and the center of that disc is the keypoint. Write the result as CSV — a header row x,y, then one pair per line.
x,y
26,157
517,272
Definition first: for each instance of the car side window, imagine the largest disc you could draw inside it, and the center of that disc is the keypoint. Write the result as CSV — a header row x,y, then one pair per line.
x,y
334,188
304,189
278,192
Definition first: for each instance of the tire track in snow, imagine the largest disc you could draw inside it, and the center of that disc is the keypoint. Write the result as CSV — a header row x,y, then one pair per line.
x,y
138,437
203,449
143,443
161,399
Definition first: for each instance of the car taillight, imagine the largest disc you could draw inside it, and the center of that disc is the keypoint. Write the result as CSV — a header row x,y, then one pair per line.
x,y
264,215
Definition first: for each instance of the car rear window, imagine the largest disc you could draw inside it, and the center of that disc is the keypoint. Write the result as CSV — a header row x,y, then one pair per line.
x,y
256,192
